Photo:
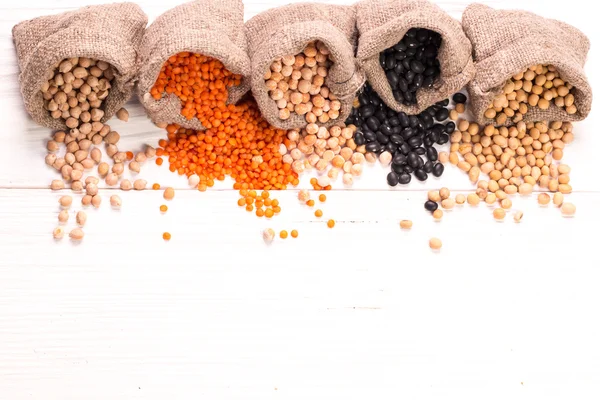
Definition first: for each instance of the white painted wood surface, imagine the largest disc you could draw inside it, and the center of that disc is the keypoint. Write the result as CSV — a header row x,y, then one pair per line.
x,y
363,311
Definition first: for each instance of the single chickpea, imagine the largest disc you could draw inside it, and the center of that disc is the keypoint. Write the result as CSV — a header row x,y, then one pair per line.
x,y
140,184
169,193
115,201
81,218
76,234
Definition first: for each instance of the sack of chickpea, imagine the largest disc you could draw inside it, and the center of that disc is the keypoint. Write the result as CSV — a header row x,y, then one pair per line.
x,y
79,62
303,66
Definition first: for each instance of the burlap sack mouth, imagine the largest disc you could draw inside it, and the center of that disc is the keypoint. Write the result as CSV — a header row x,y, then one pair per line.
x,y
383,23
527,41
70,35
211,28
286,31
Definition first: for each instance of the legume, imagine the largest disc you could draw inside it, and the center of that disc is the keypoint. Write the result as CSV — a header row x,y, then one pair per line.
x,y
296,84
411,64
406,138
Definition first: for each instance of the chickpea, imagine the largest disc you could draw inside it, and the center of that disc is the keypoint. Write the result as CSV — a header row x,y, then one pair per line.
x,y
58,233
81,218
115,201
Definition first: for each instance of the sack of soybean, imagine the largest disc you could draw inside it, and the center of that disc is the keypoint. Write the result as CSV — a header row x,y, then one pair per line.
x,y
213,28
511,48
110,33
383,24
303,65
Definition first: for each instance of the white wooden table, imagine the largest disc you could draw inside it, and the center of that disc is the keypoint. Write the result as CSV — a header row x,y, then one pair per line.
x,y
363,311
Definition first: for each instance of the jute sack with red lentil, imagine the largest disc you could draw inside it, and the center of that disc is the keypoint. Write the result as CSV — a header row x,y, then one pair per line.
x,y
506,42
383,23
213,28
285,31
110,33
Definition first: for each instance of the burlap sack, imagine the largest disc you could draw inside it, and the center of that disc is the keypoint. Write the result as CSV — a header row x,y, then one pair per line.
x,y
287,30
213,28
383,23
507,42
110,33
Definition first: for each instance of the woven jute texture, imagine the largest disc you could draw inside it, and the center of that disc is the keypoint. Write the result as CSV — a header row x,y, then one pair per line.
x,y
110,33
383,23
286,31
214,28
506,42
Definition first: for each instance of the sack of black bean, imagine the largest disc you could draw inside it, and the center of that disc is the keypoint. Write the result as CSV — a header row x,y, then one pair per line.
x,y
303,66
529,68
413,53
78,62
211,28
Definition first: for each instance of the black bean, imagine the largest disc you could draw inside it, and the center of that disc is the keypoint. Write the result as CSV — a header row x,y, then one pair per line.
x,y
438,169
415,141
405,148
397,168
459,98
450,127
398,96
370,136
381,115
367,110
420,175
395,138
404,179
417,66
411,43
392,78
443,139
392,179
428,167
431,205
385,129
404,120
420,151
432,153
373,123
373,147
442,114
408,169
381,138
359,139
401,46
423,35
391,147
399,159
413,159
390,61
364,99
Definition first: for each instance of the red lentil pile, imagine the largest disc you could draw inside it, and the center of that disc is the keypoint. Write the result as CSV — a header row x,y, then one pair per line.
x,y
237,141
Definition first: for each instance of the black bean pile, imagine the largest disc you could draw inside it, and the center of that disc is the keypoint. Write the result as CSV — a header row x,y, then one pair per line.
x,y
412,64
407,137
